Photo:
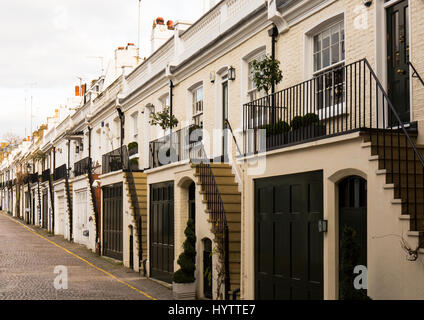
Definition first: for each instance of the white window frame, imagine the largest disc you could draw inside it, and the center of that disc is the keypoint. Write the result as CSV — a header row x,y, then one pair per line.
x,y
252,90
134,119
309,70
195,113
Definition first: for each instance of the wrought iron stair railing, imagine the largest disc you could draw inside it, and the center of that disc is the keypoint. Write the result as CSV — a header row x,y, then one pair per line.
x,y
69,200
39,202
93,198
134,198
348,99
51,202
415,73
215,204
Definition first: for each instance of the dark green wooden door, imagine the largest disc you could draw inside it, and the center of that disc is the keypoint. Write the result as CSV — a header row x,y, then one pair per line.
x,y
113,221
397,60
288,244
162,231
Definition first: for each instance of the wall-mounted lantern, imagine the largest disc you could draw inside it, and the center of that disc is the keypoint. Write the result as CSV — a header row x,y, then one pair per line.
x,y
231,73
367,3
212,77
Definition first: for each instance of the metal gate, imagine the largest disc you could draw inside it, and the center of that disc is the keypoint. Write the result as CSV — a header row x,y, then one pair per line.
x,y
288,244
45,210
113,221
162,231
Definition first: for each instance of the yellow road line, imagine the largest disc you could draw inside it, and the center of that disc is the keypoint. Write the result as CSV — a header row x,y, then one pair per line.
x,y
82,259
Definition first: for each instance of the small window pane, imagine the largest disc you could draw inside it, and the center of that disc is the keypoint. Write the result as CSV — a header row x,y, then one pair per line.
x,y
317,44
335,54
317,61
326,58
326,39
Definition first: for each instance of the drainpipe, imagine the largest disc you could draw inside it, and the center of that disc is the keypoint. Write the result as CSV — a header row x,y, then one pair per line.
x,y
273,33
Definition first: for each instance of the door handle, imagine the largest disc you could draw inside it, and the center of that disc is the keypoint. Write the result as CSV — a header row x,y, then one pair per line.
x,y
401,71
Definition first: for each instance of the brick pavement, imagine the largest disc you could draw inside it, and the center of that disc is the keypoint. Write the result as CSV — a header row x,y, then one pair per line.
x,y
27,264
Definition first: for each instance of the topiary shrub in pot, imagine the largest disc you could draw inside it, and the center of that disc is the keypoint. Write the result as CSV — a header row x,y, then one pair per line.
x,y
132,148
134,164
184,285
306,127
276,134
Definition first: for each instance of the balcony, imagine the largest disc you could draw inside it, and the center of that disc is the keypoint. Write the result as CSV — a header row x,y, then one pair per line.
x,y
115,160
82,167
33,178
60,173
179,146
45,176
340,101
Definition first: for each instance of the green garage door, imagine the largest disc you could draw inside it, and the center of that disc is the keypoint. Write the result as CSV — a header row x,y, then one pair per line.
x,y
288,244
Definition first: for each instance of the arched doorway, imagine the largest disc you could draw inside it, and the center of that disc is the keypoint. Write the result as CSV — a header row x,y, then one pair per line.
x,y
352,234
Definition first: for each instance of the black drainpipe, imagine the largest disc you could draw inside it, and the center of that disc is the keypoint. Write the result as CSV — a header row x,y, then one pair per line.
x,y
122,122
273,33
171,95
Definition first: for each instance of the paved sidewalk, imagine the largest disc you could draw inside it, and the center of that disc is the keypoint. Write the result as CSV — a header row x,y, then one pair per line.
x,y
29,256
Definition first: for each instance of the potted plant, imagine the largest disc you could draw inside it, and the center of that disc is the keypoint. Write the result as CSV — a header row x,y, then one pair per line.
x,y
276,134
306,127
184,285
134,164
266,73
165,120
132,148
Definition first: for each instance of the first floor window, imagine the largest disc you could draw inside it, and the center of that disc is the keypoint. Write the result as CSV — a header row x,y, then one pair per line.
x,y
329,73
198,106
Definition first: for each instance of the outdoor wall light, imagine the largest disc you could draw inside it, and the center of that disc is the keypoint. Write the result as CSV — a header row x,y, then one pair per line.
x,y
231,73
367,3
212,77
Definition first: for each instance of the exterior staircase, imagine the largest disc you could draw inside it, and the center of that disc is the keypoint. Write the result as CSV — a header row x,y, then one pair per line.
x,y
231,200
404,172
39,202
69,199
51,202
137,181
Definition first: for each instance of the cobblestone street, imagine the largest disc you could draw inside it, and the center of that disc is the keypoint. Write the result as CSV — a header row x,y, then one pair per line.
x,y
28,258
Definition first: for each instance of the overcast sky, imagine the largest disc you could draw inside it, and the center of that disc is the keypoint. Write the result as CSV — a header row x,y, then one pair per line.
x,y
45,45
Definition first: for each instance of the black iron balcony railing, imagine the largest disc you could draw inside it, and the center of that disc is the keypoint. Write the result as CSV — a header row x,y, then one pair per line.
x,y
33,178
60,173
341,101
114,161
82,167
45,176
175,147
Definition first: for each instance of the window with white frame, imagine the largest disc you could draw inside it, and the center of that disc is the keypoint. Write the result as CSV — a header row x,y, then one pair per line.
x,y
329,58
134,120
165,102
252,90
198,106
